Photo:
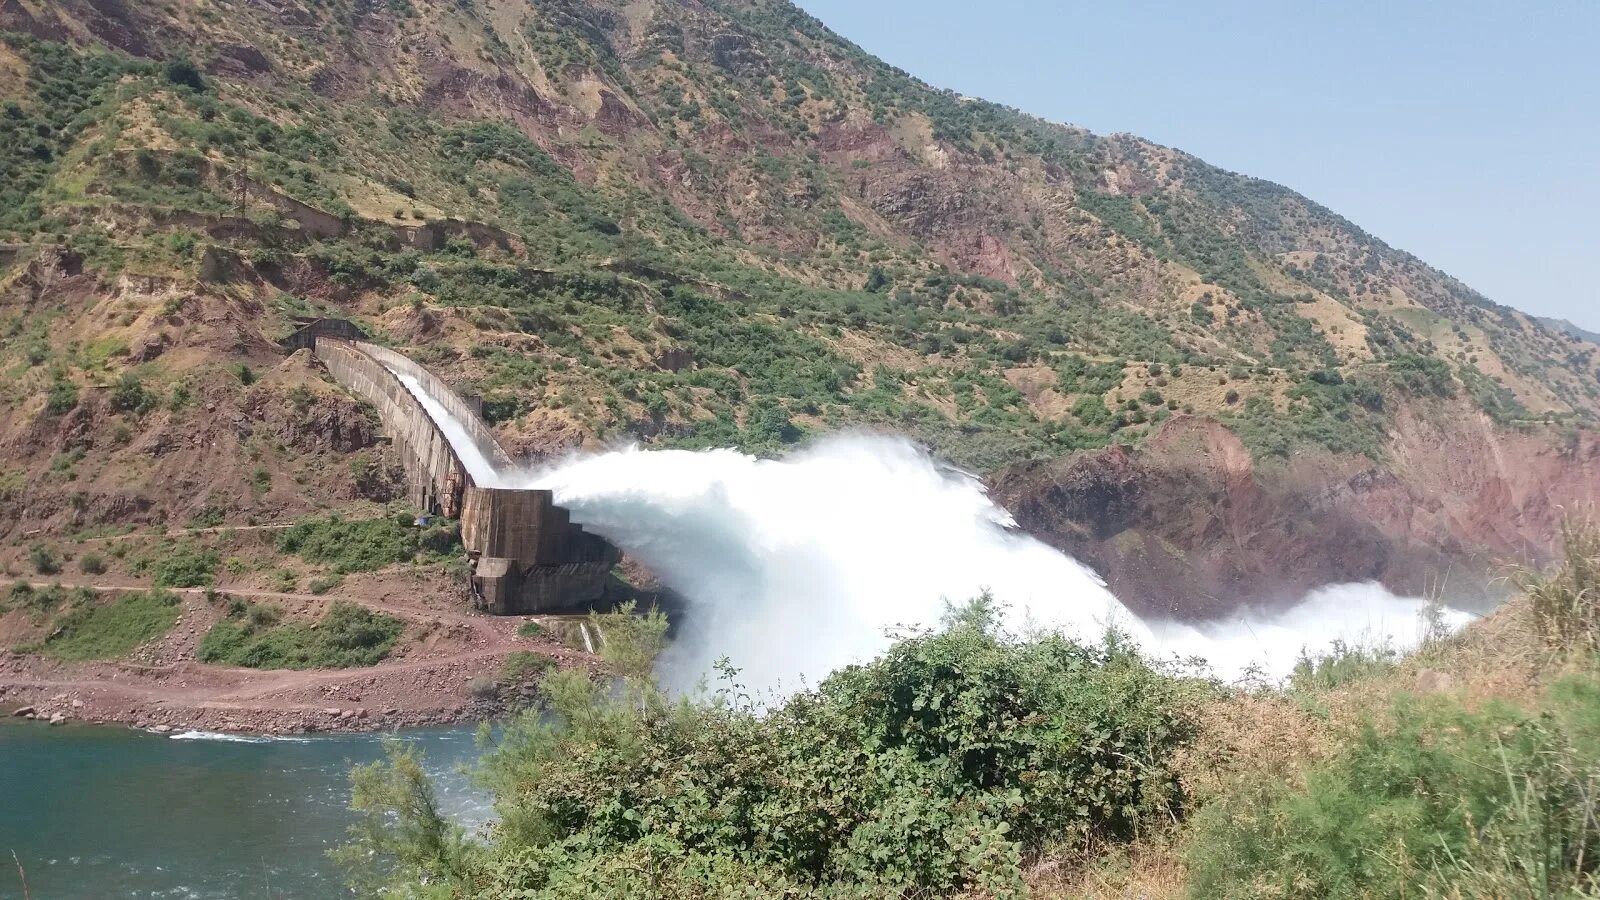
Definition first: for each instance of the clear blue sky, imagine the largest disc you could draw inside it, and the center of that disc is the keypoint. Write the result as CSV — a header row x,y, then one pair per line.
x,y
1466,132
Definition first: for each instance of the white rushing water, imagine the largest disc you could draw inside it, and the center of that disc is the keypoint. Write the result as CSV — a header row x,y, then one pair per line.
x,y
795,567
478,463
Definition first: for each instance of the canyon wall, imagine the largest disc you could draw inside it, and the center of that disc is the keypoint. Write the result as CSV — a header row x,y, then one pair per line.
x,y
1189,524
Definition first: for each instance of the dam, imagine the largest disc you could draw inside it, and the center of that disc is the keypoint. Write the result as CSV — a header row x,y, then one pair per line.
x,y
526,554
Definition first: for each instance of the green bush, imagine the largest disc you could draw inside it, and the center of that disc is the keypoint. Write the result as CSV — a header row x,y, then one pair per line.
x,y
324,583
525,664
363,546
129,395
209,516
186,566
184,73
44,560
1342,665
112,630
1439,802
939,768
62,396
39,601
92,564
254,636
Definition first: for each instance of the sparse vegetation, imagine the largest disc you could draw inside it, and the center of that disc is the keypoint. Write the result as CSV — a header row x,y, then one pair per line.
x,y
185,566
523,665
94,627
44,560
256,636
1565,603
364,546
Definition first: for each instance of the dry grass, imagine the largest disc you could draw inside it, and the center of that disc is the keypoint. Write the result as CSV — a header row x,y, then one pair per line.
x,y
1151,869
1565,603
1277,736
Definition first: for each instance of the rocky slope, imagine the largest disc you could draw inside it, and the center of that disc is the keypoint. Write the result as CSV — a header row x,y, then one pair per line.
x,y
1190,525
704,222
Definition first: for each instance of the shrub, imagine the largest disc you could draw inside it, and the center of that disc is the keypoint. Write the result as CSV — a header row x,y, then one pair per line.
x,y
1440,803
183,73
112,630
531,630
1344,664
186,566
38,601
934,770
92,564
254,636
1422,376
129,395
324,583
363,546
62,396
210,516
524,664
44,560
483,687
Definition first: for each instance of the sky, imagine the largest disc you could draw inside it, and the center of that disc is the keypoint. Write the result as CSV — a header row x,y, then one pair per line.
x,y
1465,132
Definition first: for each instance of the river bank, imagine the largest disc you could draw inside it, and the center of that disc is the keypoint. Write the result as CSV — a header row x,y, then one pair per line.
x,y
447,669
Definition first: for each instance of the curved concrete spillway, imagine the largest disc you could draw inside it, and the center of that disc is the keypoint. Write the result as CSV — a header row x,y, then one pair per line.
x,y
527,555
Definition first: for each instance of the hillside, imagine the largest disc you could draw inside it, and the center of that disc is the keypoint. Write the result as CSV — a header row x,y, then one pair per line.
x,y
1562,325
689,223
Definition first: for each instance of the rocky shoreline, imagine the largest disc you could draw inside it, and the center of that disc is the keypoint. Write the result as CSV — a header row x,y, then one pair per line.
x,y
66,708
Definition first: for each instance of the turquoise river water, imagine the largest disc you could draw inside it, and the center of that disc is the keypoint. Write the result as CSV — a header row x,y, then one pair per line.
x,y
107,812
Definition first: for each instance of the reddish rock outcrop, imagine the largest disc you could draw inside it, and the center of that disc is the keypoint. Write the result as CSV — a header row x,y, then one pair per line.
x,y
1190,525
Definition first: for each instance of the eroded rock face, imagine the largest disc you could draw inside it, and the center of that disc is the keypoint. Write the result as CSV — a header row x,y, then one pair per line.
x,y
314,422
1190,525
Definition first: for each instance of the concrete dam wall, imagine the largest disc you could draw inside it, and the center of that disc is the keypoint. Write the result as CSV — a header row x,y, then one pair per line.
x,y
527,556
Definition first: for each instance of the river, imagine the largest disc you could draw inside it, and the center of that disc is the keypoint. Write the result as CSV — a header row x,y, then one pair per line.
x,y
110,812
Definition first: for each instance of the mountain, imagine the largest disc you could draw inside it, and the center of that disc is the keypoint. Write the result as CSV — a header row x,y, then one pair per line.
x,y
687,222
1566,327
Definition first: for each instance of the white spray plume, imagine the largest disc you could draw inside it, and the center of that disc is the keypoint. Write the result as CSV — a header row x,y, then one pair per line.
x,y
1269,642
799,566
795,567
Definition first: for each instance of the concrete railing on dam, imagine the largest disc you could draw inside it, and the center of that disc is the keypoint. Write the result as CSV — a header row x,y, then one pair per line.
x,y
458,409
527,555
435,476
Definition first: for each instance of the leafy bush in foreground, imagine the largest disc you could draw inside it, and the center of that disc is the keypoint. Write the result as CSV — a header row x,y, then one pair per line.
x,y
941,767
1442,803
254,637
